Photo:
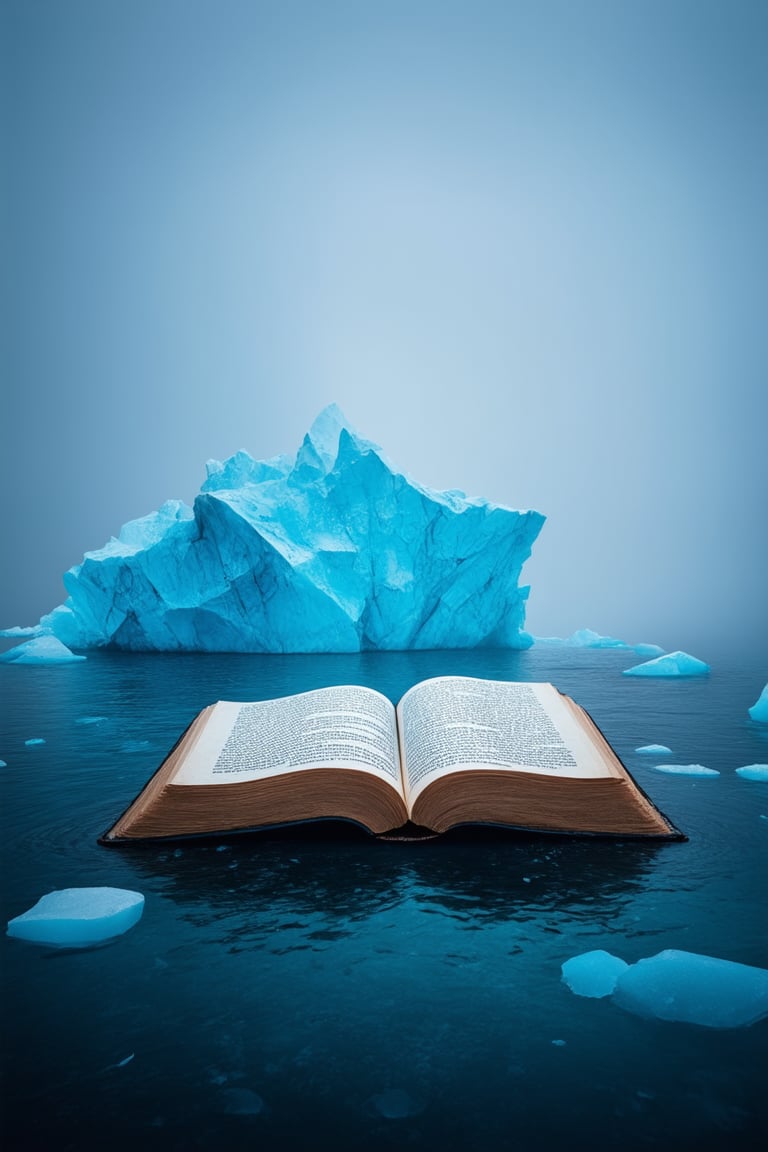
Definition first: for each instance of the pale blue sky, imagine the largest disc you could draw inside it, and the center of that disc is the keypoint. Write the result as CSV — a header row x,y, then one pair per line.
x,y
523,245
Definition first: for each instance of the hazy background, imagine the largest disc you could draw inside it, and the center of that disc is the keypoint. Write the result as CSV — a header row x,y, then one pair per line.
x,y
523,245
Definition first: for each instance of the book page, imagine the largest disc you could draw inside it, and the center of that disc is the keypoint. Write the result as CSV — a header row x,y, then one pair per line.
x,y
457,722
347,727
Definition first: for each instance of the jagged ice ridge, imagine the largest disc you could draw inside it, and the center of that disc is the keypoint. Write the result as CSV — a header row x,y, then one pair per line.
x,y
330,551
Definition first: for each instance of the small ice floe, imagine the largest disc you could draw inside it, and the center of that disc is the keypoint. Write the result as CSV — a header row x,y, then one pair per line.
x,y
759,710
90,719
17,631
79,917
682,986
593,973
134,745
242,1102
120,1063
648,649
395,1104
559,1043
672,664
33,741
686,769
694,989
3,764
40,650
754,772
653,749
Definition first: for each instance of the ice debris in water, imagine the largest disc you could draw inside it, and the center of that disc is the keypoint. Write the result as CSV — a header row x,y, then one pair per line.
x,y
3,764
759,710
331,551
694,989
242,1102
672,664
593,973
78,917
653,749
675,985
753,772
41,650
33,741
587,638
395,1104
90,719
686,769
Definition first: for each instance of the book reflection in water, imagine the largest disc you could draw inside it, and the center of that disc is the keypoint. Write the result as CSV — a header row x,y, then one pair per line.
x,y
456,750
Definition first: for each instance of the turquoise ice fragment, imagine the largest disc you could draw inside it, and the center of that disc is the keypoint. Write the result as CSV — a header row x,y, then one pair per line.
x,y
694,989
672,664
754,772
759,710
593,973
653,749
686,769
79,917
40,650
332,550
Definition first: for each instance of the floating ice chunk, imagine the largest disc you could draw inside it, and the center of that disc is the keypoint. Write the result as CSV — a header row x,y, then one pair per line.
x,y
395,1104
242,1102
582,638
78,917
593,973
3,764
33,741
759,710
134,745
754,772
673,664
559,1043
41,650
653,749
648,649
686,769
695,989
90,719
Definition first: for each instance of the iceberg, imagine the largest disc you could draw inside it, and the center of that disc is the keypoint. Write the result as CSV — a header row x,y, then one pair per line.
x,y
672,664
694,989
593,973
759,710
332,550
653,749
41,650
79,917
754,772
686,769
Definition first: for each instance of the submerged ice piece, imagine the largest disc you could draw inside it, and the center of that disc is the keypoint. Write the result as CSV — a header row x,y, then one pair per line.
x,y
78,917
672,664
754,772
759,710
593,973
41,650
695,989
333,551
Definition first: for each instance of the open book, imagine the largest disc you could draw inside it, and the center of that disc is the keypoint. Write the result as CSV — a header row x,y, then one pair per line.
x,y
455,751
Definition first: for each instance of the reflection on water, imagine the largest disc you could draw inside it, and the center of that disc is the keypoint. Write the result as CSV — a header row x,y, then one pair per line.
x,y
321,989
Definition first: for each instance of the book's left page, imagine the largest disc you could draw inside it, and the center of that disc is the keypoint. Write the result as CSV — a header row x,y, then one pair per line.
x,y
341,727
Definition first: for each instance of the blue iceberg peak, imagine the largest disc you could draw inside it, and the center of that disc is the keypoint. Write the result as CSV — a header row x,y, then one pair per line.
x,y
332,550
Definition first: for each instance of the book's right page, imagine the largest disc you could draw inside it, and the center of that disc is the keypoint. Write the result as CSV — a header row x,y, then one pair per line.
x,y
459,722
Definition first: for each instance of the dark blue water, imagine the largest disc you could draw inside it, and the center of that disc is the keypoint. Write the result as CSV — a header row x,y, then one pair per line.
x,y
295,991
